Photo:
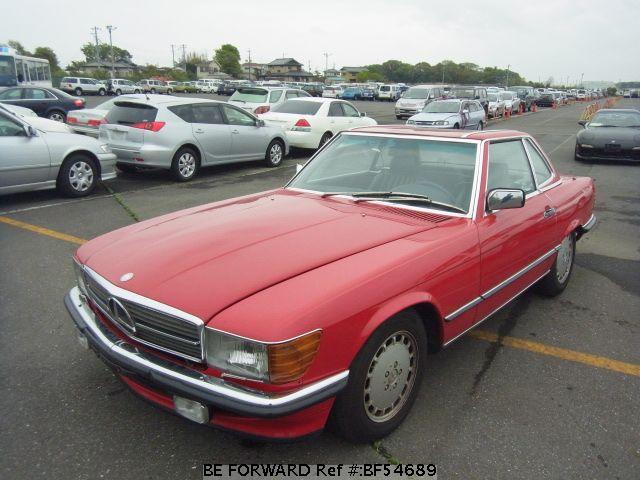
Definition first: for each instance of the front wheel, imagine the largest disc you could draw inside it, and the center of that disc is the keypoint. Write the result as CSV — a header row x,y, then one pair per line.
x,y
153,90
185,164
118,92
275,153
554,282
57,116
383,381
77,176
325,138
102,92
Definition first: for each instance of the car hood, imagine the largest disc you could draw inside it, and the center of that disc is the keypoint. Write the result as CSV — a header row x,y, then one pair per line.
x,y
599,136
411,102
430,116
203,260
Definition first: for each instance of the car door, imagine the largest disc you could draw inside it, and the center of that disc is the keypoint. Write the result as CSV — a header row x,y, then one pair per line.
x,y
209,129
516,245
248,140
352,116
38,100
24,160
337,118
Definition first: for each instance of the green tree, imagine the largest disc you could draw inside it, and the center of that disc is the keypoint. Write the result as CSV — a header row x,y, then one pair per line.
x,y
49,54
228,57
19,48
104,49
366,76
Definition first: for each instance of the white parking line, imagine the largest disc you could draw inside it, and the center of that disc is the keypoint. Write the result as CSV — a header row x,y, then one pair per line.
x,y
556,148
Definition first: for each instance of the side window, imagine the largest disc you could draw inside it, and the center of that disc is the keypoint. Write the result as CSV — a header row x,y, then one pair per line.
x,y
9,128
291,94
335,110
509,167
302,93
237,117
210,114
349,111
11,94
275,96
35,94
85,81
540,168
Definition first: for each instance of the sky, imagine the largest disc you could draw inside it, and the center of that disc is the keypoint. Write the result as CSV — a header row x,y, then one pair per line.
x,y
538,39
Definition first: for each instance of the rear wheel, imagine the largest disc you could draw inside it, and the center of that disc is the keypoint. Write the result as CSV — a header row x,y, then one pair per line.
x,y
102,92
383,381
456,126
57,116
275,153
185,164
77,176
325,138
78,91
153,90
118,92
480,125
554,282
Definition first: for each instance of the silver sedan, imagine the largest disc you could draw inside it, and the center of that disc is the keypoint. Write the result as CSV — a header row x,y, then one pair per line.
x,y
452,113
36,154
183,134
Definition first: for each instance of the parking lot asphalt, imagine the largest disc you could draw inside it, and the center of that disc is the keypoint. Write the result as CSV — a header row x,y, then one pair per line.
x,y
498,403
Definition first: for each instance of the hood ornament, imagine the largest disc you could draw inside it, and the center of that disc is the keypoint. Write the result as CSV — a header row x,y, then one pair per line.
x,y
126,277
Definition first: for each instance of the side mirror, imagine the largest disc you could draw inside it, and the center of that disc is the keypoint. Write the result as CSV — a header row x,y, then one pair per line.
x,y
299,167
260,123
505,198
583,123
363,114
30,131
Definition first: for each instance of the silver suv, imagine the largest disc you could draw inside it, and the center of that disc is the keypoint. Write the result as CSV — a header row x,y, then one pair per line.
x,y
83,85
416,98
120,86
154,86
182,134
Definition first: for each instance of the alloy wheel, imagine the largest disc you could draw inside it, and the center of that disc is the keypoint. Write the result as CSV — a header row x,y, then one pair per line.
x,y
564,259
187,165
275,153
391,376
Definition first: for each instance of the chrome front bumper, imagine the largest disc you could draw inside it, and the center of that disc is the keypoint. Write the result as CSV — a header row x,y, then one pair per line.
x,y
177,379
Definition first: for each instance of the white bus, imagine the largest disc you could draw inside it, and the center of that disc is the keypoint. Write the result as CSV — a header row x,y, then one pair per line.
x,y
20,70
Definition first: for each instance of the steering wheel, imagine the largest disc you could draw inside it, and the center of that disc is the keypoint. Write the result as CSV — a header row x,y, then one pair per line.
x,y
448,198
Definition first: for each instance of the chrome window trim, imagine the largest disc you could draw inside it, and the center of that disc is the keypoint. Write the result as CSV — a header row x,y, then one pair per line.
x,y
449,342
493,290
527,141
114,290
474,187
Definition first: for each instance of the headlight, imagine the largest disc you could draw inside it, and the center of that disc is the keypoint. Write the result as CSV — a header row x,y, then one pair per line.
x,y
79,271
585,145
411,122
105,148
441,122
275,362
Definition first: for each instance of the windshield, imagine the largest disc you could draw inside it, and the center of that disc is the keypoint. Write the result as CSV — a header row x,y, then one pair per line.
x,y
7,71
493,97
352,163
464,92
417,93
351,90
442,107
299,107
385,88
130,113
615,119
251,95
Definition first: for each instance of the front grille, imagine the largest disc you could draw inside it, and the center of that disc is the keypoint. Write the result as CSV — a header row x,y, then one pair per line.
x,y
424,122
152,327
610,152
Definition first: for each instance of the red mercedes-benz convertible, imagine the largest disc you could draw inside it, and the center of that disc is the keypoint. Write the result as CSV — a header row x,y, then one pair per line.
x,y
273,313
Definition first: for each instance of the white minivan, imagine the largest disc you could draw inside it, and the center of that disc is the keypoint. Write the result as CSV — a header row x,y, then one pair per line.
x,y
259,100
390,93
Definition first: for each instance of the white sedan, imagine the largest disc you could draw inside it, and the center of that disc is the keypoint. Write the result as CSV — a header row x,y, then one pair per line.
x,y
311,122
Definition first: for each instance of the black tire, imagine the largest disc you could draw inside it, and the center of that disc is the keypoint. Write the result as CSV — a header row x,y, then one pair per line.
x,y
182,168
481,125
554,282
355,415
57,116
275,153
153,90
78,92
127,168
325,138
136,90
575,154
102,92
78,176
456,126
398,117
118,92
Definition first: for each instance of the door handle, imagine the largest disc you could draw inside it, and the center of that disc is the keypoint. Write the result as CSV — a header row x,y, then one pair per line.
x,y
199,130
549,212
235,131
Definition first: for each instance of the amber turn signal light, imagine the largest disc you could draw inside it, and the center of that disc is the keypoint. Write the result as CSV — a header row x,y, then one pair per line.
x,y
290,360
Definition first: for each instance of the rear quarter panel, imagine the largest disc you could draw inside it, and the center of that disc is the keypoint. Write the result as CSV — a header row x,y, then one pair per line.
x,y
574,200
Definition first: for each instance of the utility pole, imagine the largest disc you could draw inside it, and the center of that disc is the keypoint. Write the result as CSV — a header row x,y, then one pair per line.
x,y
249,51
326,62
443,73
94,32
581,78
184,56
508,67
113,60
173,55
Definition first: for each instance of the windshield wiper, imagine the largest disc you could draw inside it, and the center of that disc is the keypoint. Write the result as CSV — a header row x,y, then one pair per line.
x,y
395,197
